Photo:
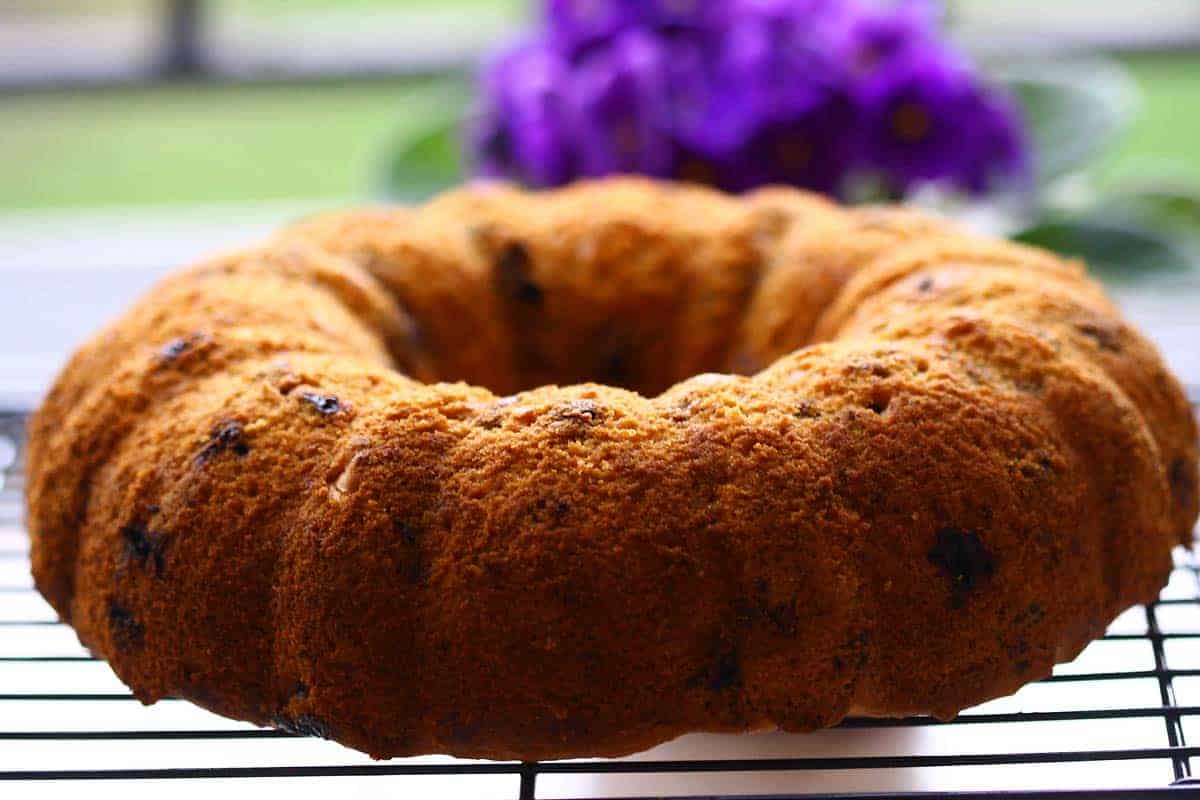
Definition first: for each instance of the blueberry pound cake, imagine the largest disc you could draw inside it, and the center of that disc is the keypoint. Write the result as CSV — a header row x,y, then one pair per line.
x,y
536,475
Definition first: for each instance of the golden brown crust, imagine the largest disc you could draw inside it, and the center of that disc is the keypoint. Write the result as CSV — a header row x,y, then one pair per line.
x,y
254,492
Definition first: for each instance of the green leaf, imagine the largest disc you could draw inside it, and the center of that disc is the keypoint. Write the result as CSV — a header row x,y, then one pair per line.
x,y
424,162
1113,247
1176,209
1076,111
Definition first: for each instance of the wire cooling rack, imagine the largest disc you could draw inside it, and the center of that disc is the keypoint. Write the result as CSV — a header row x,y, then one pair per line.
x,y
1118,720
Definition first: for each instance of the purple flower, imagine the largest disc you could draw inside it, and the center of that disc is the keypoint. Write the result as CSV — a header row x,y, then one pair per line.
x,y
524,130
809,147
696,16
740,93
879,33
575,24
786,103
996,132
623,106
916,113
578,25
816,12
697,108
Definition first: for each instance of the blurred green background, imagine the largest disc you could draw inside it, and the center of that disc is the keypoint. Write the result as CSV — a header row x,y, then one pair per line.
x,y
222,143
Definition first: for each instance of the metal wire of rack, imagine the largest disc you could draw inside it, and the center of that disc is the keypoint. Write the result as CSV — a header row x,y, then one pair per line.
x,y
1116,722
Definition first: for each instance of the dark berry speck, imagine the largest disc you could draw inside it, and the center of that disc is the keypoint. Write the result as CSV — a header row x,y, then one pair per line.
x,y
177,348
127,632
327,404
226,436
806,410
406,532
144,547
513,277
303,725
962,556
574,418
726,671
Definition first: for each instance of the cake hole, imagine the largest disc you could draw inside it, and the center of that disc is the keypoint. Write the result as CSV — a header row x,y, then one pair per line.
x,y
879,404
554,329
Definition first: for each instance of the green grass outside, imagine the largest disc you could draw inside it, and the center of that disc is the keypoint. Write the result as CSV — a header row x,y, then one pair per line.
x,y
204,144
185,145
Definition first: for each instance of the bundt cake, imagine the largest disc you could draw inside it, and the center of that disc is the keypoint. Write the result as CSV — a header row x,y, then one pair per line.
x,y
521,475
